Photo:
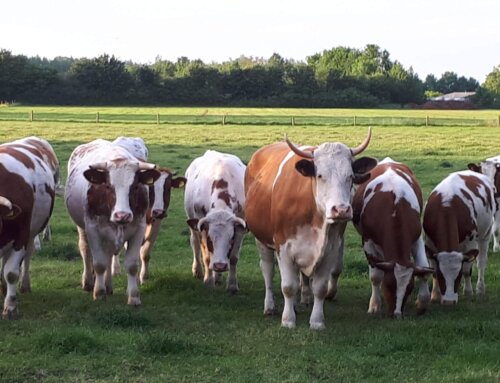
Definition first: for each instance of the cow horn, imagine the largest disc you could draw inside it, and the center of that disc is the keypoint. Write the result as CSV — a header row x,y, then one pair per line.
x,y
201,222
5,202
297,151
364,144
240,221
146,166
99,166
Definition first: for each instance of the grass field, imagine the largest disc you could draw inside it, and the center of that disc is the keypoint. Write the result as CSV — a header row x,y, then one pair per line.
x,y
186,333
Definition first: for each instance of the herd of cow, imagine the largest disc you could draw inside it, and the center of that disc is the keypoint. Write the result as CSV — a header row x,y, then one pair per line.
x,y
296,201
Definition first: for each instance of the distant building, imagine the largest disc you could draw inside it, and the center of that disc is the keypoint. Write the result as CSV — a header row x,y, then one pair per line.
x,y
455,96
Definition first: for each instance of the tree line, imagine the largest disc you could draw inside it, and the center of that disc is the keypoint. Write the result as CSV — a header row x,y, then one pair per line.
x,y
339,77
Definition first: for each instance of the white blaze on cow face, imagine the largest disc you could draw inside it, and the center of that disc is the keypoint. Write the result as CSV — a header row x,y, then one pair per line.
x,y
334,180
449,265
159,209
220,227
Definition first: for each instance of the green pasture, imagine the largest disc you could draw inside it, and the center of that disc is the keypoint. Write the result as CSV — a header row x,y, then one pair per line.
x,y
185,332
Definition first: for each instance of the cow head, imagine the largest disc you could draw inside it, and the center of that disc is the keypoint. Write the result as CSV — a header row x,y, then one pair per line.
x,y
8,211
398,282
159,193
218,230
118,188
449,266
334,170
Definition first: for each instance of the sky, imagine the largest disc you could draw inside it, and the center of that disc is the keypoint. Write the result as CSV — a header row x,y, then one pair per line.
x,y
431,36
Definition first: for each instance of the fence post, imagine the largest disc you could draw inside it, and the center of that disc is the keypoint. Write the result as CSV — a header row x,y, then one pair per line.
x,y
158,118
97,117
31,116
354,120
293,121
498,120
224,119
426,120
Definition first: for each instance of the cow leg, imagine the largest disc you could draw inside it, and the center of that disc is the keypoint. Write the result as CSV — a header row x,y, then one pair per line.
x,y
87,276
11,275
496,232
467,274
306,295
267,268
196,246
289,288
152,231
482,260
319,288
25,276
108,277
131,263
338,266
376,278
232,281
436,292
115,265
420,259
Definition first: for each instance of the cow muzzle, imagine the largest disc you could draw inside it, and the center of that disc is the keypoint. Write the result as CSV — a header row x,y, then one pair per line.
x,y
159,213
340,213
220,267
122,217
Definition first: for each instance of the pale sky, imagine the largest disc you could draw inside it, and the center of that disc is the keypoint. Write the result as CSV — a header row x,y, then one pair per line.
x,y
432,36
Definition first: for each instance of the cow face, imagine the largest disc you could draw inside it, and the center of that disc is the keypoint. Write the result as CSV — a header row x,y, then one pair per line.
x,y
218,230
119,189
159,193
334,172
449,266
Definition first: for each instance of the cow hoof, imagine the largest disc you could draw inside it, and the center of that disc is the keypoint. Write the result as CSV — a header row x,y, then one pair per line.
x,y
233,290
317,326
10,313
87,286
397,316
373,310
197,273
100,295
134,301
269,311
288,324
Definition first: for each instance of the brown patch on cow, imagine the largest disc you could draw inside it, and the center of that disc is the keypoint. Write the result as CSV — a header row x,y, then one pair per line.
x,y
15,189
46,151
132,269
12,277
18,155
100,199
225,196
99,268
473,184
138,197
219,184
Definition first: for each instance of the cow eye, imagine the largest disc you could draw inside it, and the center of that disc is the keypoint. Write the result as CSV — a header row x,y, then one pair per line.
x,y
320,176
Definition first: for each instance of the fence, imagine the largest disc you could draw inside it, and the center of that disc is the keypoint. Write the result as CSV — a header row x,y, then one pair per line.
x,y
246,119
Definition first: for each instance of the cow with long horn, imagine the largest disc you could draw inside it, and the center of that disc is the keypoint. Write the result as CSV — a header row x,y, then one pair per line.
x,y
298,202
106,195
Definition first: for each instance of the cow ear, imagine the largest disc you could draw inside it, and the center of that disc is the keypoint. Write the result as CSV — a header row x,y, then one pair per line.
x,y
193,223
360,178
179,182
363,165
420,271
7,213
306,168
96,176
474,167
148,177
471,255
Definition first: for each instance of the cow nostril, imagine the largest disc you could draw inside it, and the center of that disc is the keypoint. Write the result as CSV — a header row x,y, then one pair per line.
x,y
220,267
341,211
122,217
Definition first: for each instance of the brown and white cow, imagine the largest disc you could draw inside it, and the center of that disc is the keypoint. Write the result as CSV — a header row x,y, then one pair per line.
x,y
298,202
458,221
106,195
29,173
387,209
214,201
491,168
159,201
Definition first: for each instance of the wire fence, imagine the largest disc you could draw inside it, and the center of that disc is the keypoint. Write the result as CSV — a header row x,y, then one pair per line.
x,y
210,119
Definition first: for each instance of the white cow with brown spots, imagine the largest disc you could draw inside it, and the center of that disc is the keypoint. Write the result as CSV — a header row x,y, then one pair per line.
x,y
214,202
29,173
387,210
159,201
106,195
298,203
458,221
